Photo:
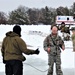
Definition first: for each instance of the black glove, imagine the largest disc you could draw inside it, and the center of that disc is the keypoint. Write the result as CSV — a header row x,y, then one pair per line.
x,y
37,51
4,61
60,45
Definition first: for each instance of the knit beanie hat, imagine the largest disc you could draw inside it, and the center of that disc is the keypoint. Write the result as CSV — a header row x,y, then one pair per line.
x,y
17,30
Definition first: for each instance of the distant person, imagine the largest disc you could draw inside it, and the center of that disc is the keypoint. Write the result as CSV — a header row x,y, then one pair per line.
x,y
12,48
65,31
73,38
52,45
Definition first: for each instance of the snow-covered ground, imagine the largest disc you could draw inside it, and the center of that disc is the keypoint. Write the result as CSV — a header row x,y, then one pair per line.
x,y
34,36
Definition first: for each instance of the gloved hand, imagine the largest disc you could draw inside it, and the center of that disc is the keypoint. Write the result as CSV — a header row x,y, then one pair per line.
x,y
37,51
4,61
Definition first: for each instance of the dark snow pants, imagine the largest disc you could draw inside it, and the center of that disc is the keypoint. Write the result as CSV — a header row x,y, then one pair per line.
x,y
14,67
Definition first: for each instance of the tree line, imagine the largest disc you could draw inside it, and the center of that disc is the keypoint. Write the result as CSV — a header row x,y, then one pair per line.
x,y
24,15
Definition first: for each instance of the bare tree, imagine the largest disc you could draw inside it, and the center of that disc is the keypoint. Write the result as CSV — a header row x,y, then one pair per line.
x,y
3,18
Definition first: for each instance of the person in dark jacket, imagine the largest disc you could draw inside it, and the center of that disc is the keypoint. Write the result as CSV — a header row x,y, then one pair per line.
x,y
12,48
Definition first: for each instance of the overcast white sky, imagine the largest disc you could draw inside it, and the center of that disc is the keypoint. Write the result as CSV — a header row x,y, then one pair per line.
x,y
9,5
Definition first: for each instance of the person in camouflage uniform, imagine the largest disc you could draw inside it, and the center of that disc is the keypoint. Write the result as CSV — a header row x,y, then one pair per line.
x,y
52,45
73,37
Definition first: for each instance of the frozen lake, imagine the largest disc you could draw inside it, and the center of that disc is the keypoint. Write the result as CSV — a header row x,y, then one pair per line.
x,y
37,64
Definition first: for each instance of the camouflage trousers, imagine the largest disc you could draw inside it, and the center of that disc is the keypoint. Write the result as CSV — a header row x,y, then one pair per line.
x,y
73,46
57,60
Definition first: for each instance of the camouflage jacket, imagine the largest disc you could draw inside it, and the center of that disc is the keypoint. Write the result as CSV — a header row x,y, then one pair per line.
x,y
54,42
73,40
